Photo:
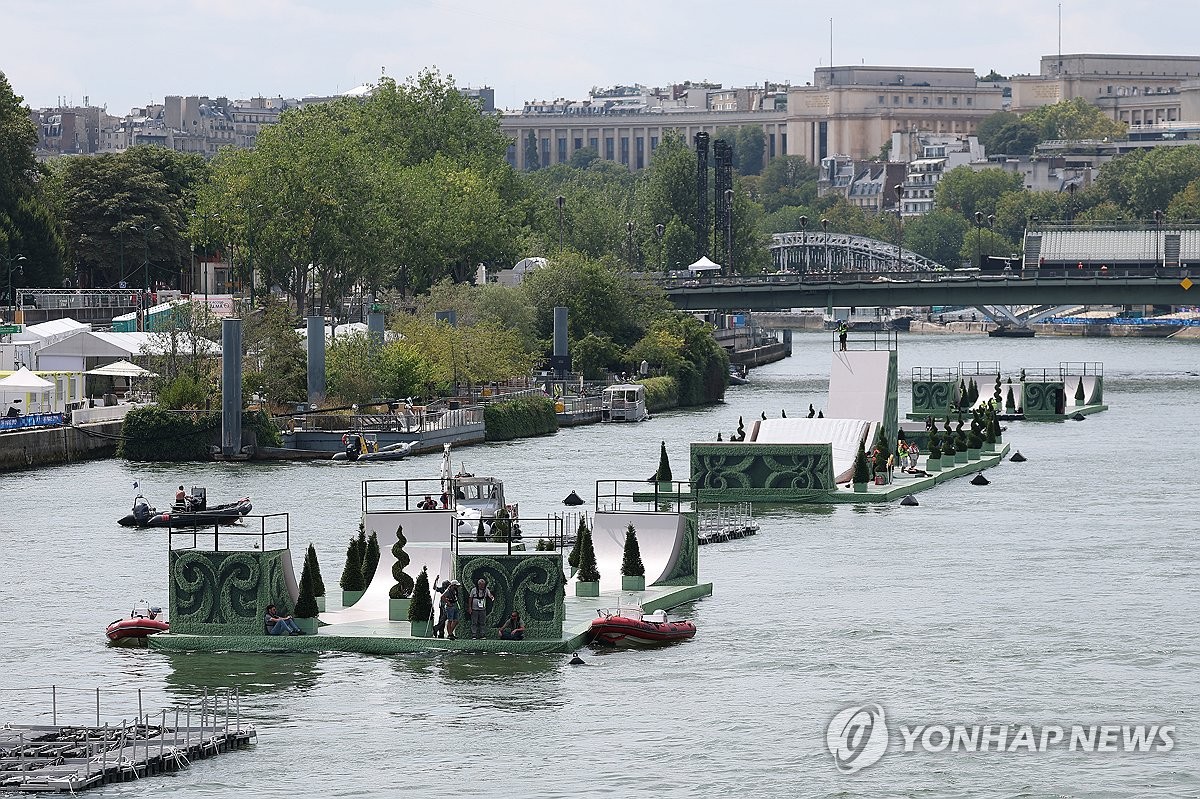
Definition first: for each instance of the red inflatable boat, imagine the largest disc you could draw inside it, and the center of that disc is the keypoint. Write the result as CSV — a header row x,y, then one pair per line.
x,y
143,621
638,629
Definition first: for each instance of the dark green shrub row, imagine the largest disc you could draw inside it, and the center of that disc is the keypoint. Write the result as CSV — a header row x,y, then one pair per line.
x,y
155,434
519,418
661,393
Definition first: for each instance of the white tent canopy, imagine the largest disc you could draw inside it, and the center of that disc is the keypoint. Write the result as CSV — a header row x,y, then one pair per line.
x,y
121,369
26,381
704,265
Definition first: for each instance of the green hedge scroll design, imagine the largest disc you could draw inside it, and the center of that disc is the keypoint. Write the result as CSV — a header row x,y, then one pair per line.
x,y
799,471
930,397
1040,397
193,587
722,471
538,596
686,570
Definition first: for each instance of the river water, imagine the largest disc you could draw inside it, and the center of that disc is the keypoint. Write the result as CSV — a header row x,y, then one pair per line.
x,y
1063,593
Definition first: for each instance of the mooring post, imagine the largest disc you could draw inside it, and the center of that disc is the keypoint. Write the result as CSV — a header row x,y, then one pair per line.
x,y
54,705
139,705
162,736
97,707
231,387
238,708
188,734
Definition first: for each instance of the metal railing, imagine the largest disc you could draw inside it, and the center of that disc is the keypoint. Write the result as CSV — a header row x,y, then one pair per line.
x,y
511,535
654,497
976,368
934,374
1073,368
236,539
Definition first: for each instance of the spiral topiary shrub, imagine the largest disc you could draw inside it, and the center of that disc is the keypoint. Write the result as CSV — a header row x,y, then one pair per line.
x,y
403,586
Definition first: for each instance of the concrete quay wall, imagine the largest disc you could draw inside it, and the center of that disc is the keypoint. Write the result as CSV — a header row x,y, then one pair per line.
x,y
44,446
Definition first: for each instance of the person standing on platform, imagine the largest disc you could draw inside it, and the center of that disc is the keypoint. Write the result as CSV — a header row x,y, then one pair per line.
x,y
480,596
842,330
451,611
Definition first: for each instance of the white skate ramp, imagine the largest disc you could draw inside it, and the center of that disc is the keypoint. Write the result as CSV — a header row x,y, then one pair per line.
x,y
434,555
858,385
1071,385
660,539
845,437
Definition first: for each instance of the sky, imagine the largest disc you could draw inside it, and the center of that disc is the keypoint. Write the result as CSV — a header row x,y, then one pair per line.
x,y
122,54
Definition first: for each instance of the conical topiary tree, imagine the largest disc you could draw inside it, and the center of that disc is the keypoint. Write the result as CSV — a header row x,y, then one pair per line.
x,y
370,558
663,475
962,392
589,572
352,578
421,606
862,467
306,602
972,393
480,533
580,533
631,559
1079,395
1010,405
314,571
403,587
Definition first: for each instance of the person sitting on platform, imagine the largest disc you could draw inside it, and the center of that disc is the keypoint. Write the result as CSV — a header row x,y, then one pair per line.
x,y
182,500
274,624
512,629
428,503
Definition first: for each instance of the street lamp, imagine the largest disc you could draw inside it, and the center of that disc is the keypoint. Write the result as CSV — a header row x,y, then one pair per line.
x,y
561,202
978,239
1158,220
658,236
825,228
804,244
629,230
729,229
14,262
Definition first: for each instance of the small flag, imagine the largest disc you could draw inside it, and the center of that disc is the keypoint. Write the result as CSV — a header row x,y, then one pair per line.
x,y
135,484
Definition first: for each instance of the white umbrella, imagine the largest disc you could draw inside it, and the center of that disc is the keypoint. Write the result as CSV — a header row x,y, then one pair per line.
x,y
704,265
121,369
25,381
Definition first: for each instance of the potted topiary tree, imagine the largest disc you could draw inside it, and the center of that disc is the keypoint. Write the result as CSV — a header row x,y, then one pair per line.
x,y
573,558
960,442
633,571
663,475
306,610
989,431
996,398
420,608
1079,395
999,434
862,472
974,438
949,454
480,533
1010,405
401,592
933,462
501,527
352,579
314,570
963,398
588,581
972,393
370,560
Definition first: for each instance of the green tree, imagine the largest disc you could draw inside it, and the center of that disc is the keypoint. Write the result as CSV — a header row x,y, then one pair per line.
x,y
276,365
1185,205
631,556
370,558
982,243
420,608
27,225
533,159
314,568
583,157
663,474
1074,119
1015,138
937,235
788,181
352,577
967,191
588,570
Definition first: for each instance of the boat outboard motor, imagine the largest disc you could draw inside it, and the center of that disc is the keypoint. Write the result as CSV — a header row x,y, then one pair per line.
x,y
141,509
352,448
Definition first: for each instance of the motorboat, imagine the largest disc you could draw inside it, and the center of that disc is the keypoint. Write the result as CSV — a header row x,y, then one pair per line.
x,y
624,402
365,447
142,621
629,627
191,514
738,376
